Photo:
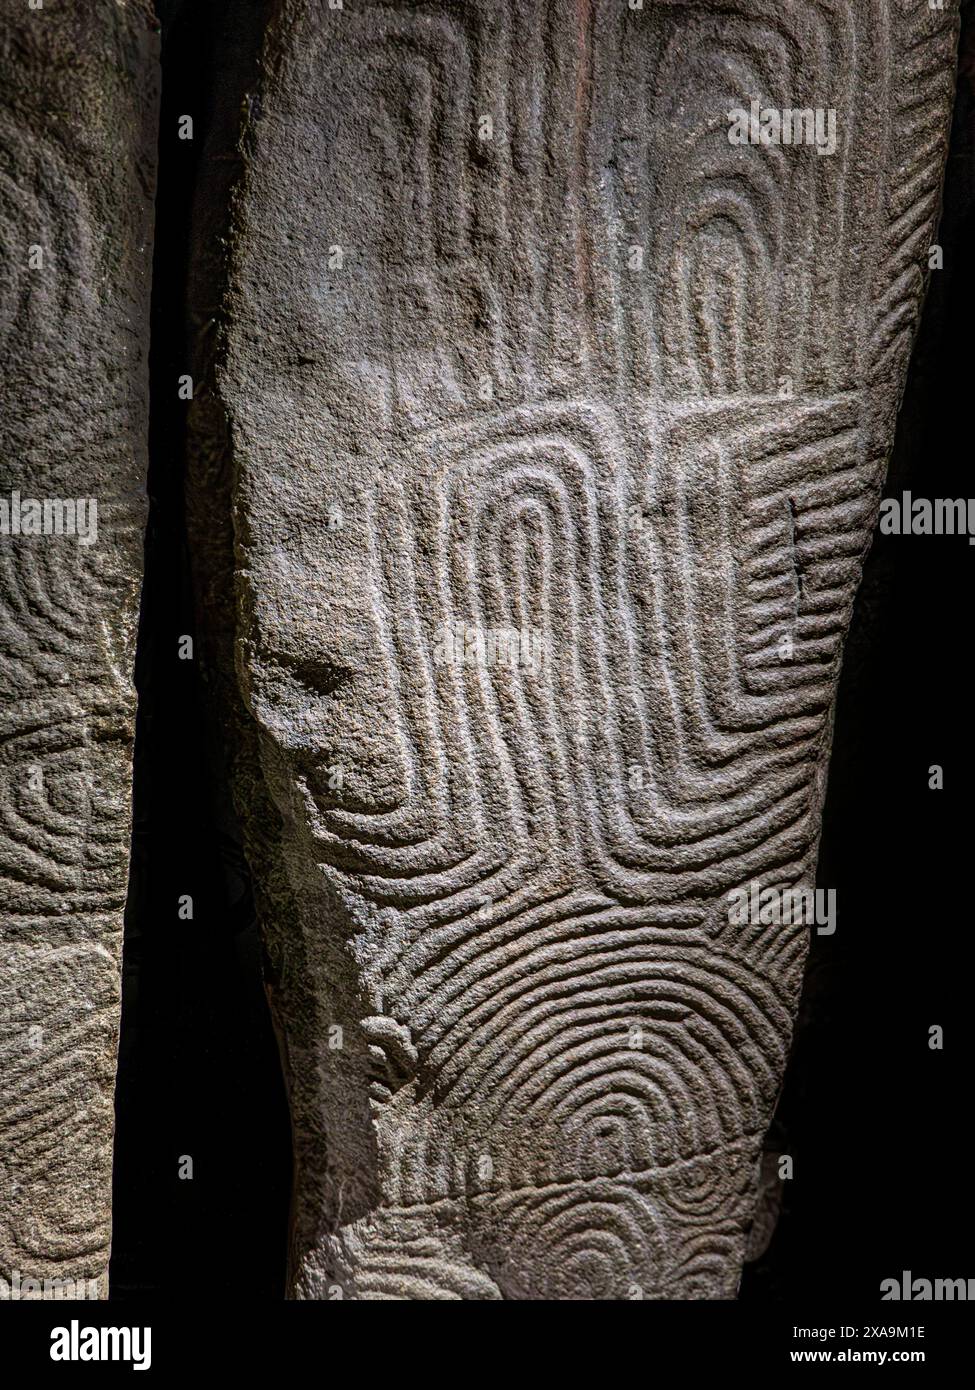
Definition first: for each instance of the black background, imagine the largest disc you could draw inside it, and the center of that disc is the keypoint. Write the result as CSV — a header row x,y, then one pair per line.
x,y
876,1122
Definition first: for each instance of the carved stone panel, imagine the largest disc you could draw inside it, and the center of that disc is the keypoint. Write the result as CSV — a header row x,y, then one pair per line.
x,y
556,419
77,160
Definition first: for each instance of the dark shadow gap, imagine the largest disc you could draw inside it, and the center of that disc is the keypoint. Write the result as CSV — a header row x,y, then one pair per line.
x,y
198,1075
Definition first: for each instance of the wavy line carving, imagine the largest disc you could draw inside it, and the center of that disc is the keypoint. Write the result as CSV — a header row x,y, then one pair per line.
x,y
560,1055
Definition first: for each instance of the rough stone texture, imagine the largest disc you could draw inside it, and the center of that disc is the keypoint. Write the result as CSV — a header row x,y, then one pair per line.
x,y
78,97
508,888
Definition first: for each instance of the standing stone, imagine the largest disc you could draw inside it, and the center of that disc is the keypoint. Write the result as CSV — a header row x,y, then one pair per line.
x,y
78,102
557,391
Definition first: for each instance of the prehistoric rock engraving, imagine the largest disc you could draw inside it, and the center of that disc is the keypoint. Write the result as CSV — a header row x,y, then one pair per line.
x,y
77,160
520,343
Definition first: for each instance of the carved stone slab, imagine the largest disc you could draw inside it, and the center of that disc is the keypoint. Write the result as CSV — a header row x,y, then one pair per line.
x,y
557,418
78,92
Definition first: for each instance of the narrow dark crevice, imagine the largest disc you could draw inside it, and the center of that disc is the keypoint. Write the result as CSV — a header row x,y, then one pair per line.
x,y
198,1074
